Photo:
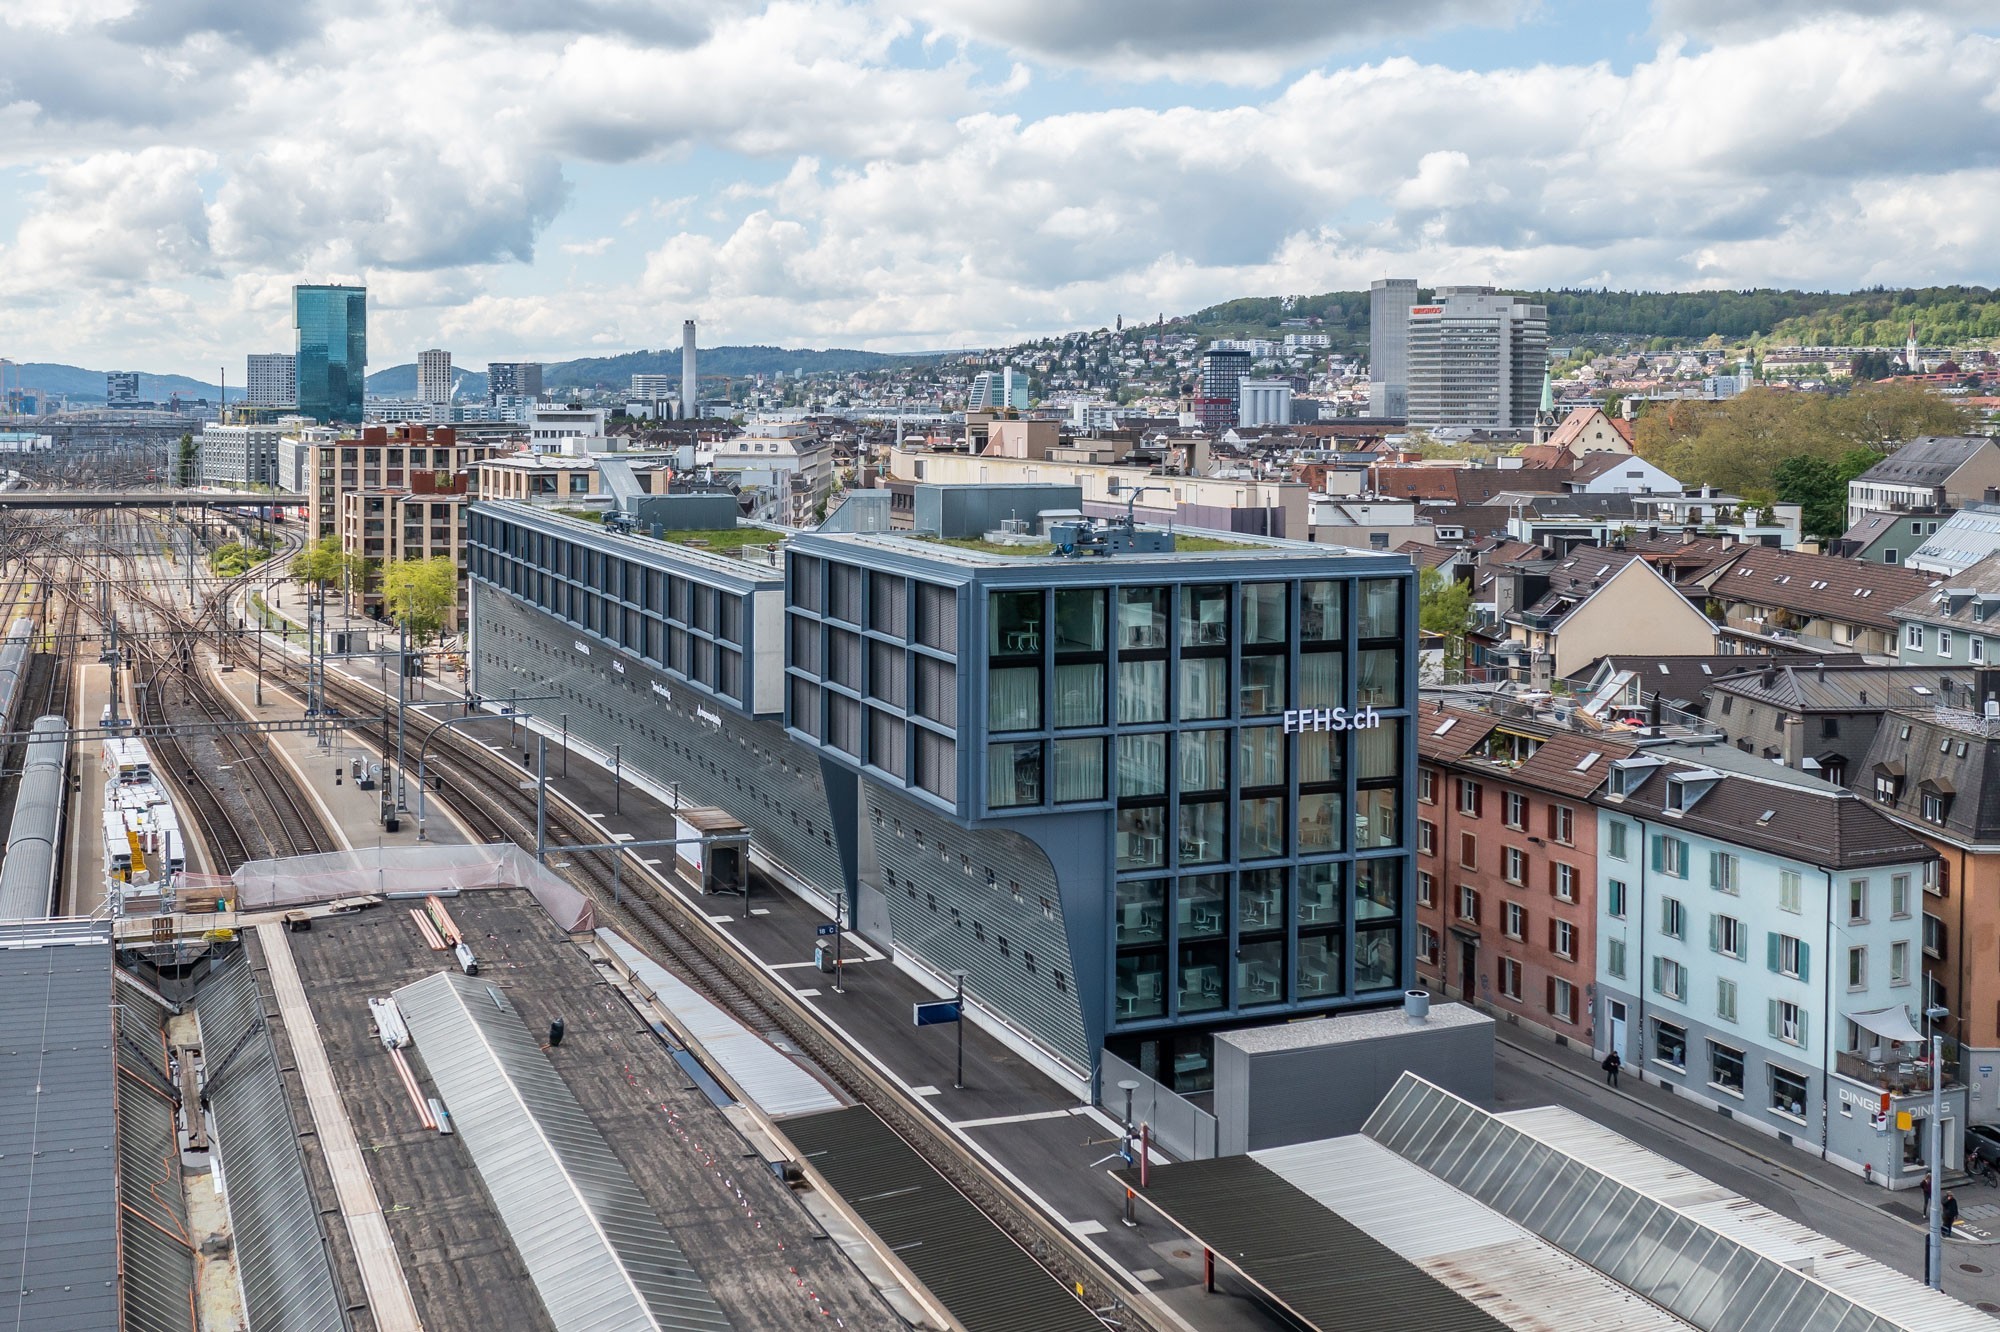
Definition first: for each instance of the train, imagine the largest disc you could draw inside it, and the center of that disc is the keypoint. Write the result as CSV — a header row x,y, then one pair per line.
x,y
28,872
14,652
143,847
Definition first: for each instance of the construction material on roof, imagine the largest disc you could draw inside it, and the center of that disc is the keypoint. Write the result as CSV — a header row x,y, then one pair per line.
x,y
58,1191
966,1263
599,1258
762,1074
280,1247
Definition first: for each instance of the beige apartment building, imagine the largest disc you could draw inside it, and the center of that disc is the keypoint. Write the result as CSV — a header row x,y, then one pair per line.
x,y
1031,452
389,526
382,459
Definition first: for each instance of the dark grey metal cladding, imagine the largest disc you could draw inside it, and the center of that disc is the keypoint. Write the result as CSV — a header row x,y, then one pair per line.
x,y
281,1255
1328,1272
158,1247
746,766
692,613
985,1279
58,1162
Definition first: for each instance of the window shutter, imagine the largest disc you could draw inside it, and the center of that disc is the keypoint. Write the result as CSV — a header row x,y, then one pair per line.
x,y
1658,848
1657,986
1477,795
1552,936
1715,869
1771,953
1715,934
1805,961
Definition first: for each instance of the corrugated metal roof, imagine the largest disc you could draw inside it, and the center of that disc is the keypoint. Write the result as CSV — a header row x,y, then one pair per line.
x,y
765,1074
1902,1300
159,1251
58,1167
1674,1257
1520,1280
971,1266
599,1257
280,1246
1322,1268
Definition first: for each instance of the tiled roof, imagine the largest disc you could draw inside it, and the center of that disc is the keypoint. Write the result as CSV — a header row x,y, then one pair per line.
x,y
1785,814
1970,597
1819,586
1445,733
1678,679
1427,556
1564,762
1576,577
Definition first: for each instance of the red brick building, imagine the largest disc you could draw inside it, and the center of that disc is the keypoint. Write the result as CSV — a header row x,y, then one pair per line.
x,y
1507,865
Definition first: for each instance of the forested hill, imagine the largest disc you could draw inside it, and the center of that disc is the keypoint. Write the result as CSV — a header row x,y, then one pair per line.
x,y
1943,315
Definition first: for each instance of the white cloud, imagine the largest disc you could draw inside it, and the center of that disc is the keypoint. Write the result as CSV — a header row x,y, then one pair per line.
x,y
596,245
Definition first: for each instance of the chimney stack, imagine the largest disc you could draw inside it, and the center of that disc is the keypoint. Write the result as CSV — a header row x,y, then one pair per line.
x,y
690,381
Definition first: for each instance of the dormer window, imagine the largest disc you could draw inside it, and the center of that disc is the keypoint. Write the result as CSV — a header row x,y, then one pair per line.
x,y
1684,789
1936,802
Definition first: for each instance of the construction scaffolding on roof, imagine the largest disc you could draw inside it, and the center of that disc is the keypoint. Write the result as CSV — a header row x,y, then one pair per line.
x,y
275,885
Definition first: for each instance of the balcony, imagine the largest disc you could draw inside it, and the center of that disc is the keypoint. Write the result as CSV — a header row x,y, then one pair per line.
x,y
1900,1076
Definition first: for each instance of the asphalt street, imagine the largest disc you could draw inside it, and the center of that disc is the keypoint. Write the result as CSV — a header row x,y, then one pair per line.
x,y
1972,1271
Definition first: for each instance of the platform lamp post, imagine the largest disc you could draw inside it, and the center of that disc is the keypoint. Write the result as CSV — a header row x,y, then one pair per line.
x,y
1934,1222
959,976
1128,1086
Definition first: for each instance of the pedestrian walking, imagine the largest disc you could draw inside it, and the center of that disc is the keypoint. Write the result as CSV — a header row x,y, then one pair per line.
x,y
1950,1212
1612,1063
1927,1194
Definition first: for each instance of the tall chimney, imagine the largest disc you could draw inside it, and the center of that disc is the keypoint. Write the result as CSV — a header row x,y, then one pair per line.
x,y
690,382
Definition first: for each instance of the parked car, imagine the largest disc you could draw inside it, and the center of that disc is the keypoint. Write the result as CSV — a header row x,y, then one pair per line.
x,y
1983,1141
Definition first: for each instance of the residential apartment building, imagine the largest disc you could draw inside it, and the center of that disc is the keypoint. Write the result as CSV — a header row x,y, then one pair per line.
x,y
1477,360
1884,536
271,379
1559,616
1506,864
331,358
1960,541
426,521
1762,950
1136,798
1766,598
379,458
1820,717
1932,474
434,376
1957,624
565,478
1934,768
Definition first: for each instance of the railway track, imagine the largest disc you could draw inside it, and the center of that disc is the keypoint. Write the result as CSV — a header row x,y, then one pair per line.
x,y
486,791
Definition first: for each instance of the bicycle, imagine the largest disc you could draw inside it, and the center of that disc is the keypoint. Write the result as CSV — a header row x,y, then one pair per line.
x,y
1983,1170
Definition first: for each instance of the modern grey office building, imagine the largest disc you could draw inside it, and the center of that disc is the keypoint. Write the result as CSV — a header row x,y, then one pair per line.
x,y
513,379
1137,798
1477,360
1389,302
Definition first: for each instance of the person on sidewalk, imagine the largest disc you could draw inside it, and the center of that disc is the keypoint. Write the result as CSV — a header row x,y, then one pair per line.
x,y
1927,1194
1950,1212
1612,1063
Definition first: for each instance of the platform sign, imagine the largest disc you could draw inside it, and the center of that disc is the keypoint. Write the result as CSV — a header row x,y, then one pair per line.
x,y
936,1012
826,931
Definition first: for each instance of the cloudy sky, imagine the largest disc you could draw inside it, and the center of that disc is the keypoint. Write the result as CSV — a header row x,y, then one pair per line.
x,y
526,178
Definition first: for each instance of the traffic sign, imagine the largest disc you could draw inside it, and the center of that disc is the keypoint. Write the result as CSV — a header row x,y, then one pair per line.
x,y
825,931
935,1012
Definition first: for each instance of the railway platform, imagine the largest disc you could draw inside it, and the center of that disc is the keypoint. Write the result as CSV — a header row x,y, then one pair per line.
x,y
1015,1115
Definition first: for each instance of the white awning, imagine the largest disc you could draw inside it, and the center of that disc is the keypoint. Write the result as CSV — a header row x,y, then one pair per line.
x,y
1891,1024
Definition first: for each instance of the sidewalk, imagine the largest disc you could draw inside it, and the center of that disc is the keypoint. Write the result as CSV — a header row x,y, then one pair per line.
x,y
1979,1217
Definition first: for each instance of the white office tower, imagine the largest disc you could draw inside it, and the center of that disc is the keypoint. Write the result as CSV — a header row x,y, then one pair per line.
x,y
1477,359
1389,302
645,388
1264,402
996,390
272,379
690,380
434,376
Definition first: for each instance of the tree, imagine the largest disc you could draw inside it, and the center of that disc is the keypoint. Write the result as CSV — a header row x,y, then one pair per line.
x,y
1444,607
187,460
421,594
321,562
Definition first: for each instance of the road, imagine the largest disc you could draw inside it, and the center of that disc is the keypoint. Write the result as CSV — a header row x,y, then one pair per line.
x,y
1972,1272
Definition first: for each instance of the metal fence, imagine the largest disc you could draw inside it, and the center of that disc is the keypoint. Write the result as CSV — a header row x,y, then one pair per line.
x,y
1179,1126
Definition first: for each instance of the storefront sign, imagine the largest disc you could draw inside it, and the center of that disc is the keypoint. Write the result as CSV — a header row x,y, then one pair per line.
x,y
1299,720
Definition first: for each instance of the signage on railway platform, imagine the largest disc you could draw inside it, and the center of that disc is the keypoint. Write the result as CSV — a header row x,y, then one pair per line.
x,y
827,930
936,1012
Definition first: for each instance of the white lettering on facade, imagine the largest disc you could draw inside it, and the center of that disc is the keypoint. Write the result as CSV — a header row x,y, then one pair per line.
x,y
1298,720
618,666
713,719
583,647
664,692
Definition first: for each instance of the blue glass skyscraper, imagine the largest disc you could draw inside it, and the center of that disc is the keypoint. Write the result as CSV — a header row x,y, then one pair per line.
x,y
332,324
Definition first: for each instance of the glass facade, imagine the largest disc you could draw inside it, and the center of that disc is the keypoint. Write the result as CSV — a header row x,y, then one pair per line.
x,y
332,360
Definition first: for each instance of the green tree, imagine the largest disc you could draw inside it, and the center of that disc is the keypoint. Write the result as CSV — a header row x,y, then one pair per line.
x,y
187,460
420,595
1444,607
320,562
1817,487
